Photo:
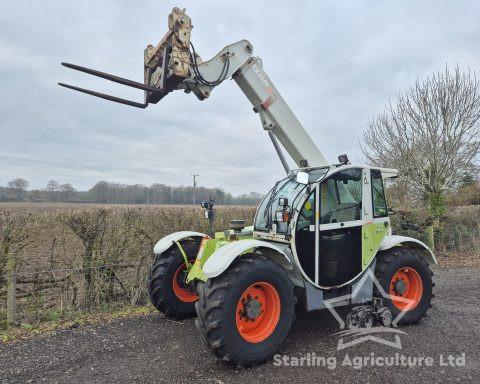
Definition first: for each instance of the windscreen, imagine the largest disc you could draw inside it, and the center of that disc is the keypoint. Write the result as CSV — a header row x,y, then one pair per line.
x,y
287,188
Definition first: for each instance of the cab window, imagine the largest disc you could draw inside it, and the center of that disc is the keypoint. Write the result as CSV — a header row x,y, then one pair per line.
x,y
307,214
341,197
378,194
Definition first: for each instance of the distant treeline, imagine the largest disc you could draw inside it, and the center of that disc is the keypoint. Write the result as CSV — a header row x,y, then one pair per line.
x,y
115,193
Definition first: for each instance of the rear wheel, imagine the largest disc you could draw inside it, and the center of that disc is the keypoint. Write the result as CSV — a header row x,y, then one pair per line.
x,y
244,315
367,320
407,278
166,282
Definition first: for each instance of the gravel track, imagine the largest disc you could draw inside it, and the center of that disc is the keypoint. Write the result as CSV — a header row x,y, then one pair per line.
x,y
153,349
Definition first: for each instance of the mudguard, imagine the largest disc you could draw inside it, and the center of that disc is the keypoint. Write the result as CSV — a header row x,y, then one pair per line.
x,y
221,259
166,242
408,242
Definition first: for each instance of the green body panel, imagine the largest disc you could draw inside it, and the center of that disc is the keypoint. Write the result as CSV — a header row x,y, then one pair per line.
x,y
207,248
372,236
185,259
196,273
219,235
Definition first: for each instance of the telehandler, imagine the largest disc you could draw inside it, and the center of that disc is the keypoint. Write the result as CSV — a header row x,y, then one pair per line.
x,y
315,234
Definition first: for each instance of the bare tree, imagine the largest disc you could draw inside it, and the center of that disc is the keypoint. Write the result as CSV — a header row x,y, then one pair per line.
x,y
67,191
15,227
431,134
19,186
52,187
89,226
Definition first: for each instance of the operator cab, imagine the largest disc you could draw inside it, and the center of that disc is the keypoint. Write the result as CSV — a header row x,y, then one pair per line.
x,y
335,220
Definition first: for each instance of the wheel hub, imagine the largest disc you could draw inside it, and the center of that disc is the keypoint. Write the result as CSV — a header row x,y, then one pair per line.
x,y
400,287
252,308
182,277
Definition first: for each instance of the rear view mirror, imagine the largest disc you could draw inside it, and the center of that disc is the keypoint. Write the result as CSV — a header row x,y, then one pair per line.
x,y
302,178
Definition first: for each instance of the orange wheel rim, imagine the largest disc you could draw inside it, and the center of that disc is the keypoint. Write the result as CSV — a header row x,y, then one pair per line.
x,y
182,294
406,283
258,312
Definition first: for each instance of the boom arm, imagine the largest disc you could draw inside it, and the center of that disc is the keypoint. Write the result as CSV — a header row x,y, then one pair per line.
x,y
172,66
276,116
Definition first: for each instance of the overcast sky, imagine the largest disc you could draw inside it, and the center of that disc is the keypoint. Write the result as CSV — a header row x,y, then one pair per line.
x,y
335,62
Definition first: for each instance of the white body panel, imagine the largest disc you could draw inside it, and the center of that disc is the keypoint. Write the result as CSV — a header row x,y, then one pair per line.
x,y
276,115
221,259
394,240
238,53
167,241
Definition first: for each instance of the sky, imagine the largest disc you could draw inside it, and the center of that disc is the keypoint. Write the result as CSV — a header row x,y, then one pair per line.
x,y
337,64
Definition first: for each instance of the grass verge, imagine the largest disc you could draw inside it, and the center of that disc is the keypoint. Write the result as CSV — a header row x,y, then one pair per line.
x,y
24,331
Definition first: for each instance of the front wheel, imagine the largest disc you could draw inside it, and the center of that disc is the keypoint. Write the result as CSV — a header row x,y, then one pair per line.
x,y
244,315
166,282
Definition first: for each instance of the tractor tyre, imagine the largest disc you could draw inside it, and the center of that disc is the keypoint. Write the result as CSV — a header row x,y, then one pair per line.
x,y
244,315
166,282
367,320
384,317
353,322
404,274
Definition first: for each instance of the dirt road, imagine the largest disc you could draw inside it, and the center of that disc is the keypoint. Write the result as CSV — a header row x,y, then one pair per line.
x,y
154,349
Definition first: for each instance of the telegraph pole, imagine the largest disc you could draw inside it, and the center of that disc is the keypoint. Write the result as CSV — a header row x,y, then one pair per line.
x,y
194,186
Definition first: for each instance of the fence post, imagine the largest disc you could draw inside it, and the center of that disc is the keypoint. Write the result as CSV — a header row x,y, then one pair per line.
x,y
431,237
11,288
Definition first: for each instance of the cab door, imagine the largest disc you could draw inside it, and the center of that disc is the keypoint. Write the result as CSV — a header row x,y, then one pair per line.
x,y
306,235
340,227
377,222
